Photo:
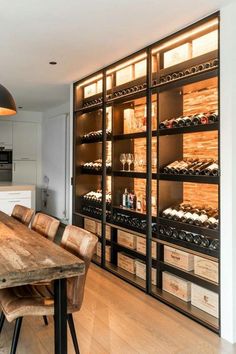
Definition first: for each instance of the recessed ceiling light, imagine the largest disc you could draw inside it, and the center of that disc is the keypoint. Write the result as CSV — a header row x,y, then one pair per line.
x,y
20,107
53,63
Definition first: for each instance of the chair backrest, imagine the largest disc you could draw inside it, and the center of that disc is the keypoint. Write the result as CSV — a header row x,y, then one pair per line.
x,y
82,244
22,214
45,225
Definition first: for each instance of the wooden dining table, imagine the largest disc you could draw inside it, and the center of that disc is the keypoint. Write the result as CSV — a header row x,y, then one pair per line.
x,y
27,257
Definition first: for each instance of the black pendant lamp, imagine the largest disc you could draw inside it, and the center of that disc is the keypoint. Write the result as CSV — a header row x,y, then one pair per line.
x,y
7,103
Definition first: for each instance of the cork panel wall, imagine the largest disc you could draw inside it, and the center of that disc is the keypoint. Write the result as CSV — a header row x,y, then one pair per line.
x,y
201,194
200,97
203,145
140,192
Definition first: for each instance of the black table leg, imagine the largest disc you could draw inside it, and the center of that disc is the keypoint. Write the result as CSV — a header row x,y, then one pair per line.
x,y
60,308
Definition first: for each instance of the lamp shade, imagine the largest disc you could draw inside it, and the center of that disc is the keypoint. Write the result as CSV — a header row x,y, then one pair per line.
x,y
7,103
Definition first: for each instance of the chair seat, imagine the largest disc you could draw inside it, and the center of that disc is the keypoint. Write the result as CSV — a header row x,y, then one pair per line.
x,y
29,300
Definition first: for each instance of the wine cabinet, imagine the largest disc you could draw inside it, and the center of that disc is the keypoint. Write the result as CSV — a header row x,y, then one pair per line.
x,y
147,169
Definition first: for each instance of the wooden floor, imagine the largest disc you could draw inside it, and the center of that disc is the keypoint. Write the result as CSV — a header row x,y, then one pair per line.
x,y
117,318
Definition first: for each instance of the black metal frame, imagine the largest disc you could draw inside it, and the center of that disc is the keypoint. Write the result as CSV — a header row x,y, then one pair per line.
x,y
148,93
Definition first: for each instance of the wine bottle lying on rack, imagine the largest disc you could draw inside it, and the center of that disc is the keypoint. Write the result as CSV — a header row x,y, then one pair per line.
x,y
201,216
95,136
188,237
192,120
96,197
126,220
96,166
193,167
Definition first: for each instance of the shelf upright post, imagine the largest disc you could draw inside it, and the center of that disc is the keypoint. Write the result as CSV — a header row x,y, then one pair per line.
x,y
149,174
104,157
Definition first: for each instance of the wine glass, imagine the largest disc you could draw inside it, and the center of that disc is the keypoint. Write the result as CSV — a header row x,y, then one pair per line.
x,y
123,160
129,160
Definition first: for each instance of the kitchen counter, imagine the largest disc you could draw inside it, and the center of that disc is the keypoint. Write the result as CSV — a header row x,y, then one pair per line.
x,y
8,186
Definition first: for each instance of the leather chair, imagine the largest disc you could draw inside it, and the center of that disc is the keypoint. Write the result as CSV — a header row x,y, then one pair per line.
x,y
37,300
22,214
45,225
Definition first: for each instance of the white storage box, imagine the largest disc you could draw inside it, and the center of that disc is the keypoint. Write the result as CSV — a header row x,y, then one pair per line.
x,y
126,239
206,268
90,225
176,286
178,258
141,246
205,300
126,262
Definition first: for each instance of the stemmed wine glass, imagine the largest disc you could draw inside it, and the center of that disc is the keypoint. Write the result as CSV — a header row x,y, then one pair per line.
x,y
129,160
123,160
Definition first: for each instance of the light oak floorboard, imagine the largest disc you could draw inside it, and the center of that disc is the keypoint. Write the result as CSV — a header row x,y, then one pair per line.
x,y
117,318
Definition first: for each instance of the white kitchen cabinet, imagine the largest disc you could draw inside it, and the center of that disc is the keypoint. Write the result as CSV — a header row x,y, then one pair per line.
x,y
25,172
8,199
6,134
25,141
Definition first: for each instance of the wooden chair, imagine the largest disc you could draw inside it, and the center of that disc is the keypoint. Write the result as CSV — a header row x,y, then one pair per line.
x,y
22,214
45,225
37,300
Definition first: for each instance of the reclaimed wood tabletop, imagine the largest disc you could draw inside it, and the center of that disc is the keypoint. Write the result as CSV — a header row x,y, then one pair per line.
x,y
27,257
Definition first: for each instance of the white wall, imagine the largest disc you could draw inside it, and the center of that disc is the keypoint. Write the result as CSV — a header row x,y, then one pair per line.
x,y
55,139
32,117
228,171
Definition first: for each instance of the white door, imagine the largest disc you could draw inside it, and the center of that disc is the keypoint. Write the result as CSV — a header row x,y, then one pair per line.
x,y
25,141
54,167
25,172
6,134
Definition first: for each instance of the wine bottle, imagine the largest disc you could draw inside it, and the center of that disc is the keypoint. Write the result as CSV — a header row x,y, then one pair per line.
x,y
178,122
168,168
169,231
187,121
189,237
211,170
197,239
202,167
212,117
175,234
191,164
215,245
166,124
125,198
162,230
205,242
182,235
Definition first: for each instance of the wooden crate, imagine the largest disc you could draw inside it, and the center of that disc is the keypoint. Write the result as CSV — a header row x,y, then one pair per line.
x,y
126,239
206,268
141,271
126,262
178,258
141,246
90,225
99,230
205,300
176,286
108,251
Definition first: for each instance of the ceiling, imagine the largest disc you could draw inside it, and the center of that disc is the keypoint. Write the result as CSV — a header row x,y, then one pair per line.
x,y
82,36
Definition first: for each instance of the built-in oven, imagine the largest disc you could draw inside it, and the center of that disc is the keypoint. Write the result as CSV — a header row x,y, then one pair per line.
x,y
5,165
5,156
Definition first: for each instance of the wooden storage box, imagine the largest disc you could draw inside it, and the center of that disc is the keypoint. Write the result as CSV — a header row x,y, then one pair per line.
x,y
176,286
124,75
141,246
141,271
126,262
205,300
177,55
178,258
90,225
99,230
108,251
126,239
206,268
